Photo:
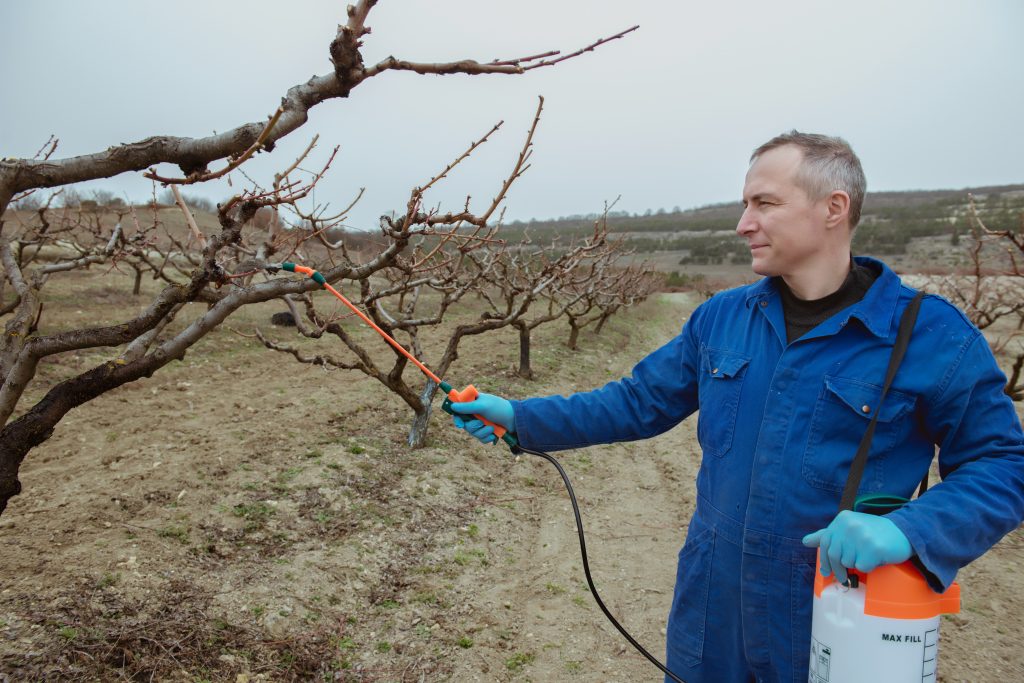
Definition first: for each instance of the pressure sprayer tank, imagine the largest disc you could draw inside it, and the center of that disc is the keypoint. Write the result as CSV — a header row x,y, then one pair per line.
x,y
883,628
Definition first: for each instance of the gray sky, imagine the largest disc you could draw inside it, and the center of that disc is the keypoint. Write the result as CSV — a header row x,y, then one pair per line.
x,y
929,92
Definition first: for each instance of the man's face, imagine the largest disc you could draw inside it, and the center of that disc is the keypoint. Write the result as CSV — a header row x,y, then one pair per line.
x,y
785,229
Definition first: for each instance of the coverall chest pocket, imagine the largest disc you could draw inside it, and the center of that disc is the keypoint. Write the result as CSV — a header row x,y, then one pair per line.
x,y
844,409
721,379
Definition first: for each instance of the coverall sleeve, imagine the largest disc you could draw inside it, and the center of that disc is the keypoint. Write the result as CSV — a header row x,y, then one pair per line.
x,y
661,391
981,463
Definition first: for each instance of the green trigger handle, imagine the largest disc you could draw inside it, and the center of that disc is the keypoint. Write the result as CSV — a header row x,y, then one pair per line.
x,y
469,394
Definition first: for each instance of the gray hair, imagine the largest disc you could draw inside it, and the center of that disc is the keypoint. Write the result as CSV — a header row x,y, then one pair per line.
x,y
829,164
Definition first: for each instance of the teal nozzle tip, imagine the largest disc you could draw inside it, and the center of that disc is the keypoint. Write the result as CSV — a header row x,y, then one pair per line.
x,y
289,266
445,387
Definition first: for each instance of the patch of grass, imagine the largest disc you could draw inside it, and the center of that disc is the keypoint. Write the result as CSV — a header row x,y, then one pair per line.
x,y
426,598
554,588
286,477
255,514
108,579
573,666
389,604
465,642
516,662
324,516
383,646
177,532
68,633
356,449
314,453
473,531
462,558
345,644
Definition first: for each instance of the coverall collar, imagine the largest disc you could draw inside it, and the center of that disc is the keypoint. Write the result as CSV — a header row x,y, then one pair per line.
x,y
876,311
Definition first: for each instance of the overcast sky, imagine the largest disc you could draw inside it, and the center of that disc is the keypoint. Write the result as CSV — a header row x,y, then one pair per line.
x,y
929,93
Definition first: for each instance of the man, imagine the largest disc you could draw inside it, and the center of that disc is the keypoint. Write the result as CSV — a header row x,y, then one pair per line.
x,y
787,374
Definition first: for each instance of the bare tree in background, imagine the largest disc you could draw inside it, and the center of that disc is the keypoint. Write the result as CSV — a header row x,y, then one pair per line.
x,y
600,296
990,291
525,284
141,345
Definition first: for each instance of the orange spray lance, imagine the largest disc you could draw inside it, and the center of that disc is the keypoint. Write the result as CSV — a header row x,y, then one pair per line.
x,y
452,396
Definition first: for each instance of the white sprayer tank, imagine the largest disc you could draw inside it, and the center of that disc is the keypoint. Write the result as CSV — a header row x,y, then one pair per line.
x,y
884,630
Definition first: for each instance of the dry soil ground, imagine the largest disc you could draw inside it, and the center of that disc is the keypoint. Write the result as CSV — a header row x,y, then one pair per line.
x,y
239,517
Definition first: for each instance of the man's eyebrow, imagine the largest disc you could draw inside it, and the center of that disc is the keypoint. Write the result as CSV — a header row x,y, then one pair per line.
x,y
760,196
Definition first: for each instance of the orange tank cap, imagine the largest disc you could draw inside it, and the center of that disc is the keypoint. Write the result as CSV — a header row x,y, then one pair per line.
x,y
898,591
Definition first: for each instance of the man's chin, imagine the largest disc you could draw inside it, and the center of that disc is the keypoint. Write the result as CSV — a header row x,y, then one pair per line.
x,y
761,268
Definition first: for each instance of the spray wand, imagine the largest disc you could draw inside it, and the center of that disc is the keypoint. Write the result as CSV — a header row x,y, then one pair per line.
x,y
452,396
468,394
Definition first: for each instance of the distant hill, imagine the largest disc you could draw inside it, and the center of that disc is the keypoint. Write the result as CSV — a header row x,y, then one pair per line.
x,y
889,221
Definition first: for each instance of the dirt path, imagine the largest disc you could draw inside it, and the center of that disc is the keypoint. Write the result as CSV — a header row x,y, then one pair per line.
x,y
635,524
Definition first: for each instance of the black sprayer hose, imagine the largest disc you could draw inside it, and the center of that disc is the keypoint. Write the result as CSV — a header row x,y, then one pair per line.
x,y
586,564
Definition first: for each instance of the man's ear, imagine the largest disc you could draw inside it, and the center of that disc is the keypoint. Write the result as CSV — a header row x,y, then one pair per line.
x,y
838,208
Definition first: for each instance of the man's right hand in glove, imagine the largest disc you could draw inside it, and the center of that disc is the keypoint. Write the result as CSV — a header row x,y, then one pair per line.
x,y
494,408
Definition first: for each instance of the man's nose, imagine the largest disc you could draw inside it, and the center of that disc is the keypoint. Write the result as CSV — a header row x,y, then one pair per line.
x,y
746,224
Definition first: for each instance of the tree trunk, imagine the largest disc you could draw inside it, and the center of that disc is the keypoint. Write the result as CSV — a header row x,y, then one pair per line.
x,y
137,287
17,438
418,431
525,371
604,318
574,334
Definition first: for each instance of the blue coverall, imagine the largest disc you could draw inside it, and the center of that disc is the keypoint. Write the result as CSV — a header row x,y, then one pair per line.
x,y
779,425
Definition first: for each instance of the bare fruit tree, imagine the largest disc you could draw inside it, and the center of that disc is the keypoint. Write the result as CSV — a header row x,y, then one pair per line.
x,y
599,297
990,291
141,345
544,283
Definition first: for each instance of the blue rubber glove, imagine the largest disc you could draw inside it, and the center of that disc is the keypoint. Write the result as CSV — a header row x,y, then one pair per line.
x,y
494,408
859,541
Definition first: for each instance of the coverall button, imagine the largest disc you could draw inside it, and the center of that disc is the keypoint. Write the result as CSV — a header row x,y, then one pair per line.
x,y
865,408
763,304
714,371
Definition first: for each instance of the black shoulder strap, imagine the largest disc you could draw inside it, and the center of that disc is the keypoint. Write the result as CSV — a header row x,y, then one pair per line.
x,y
898,351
